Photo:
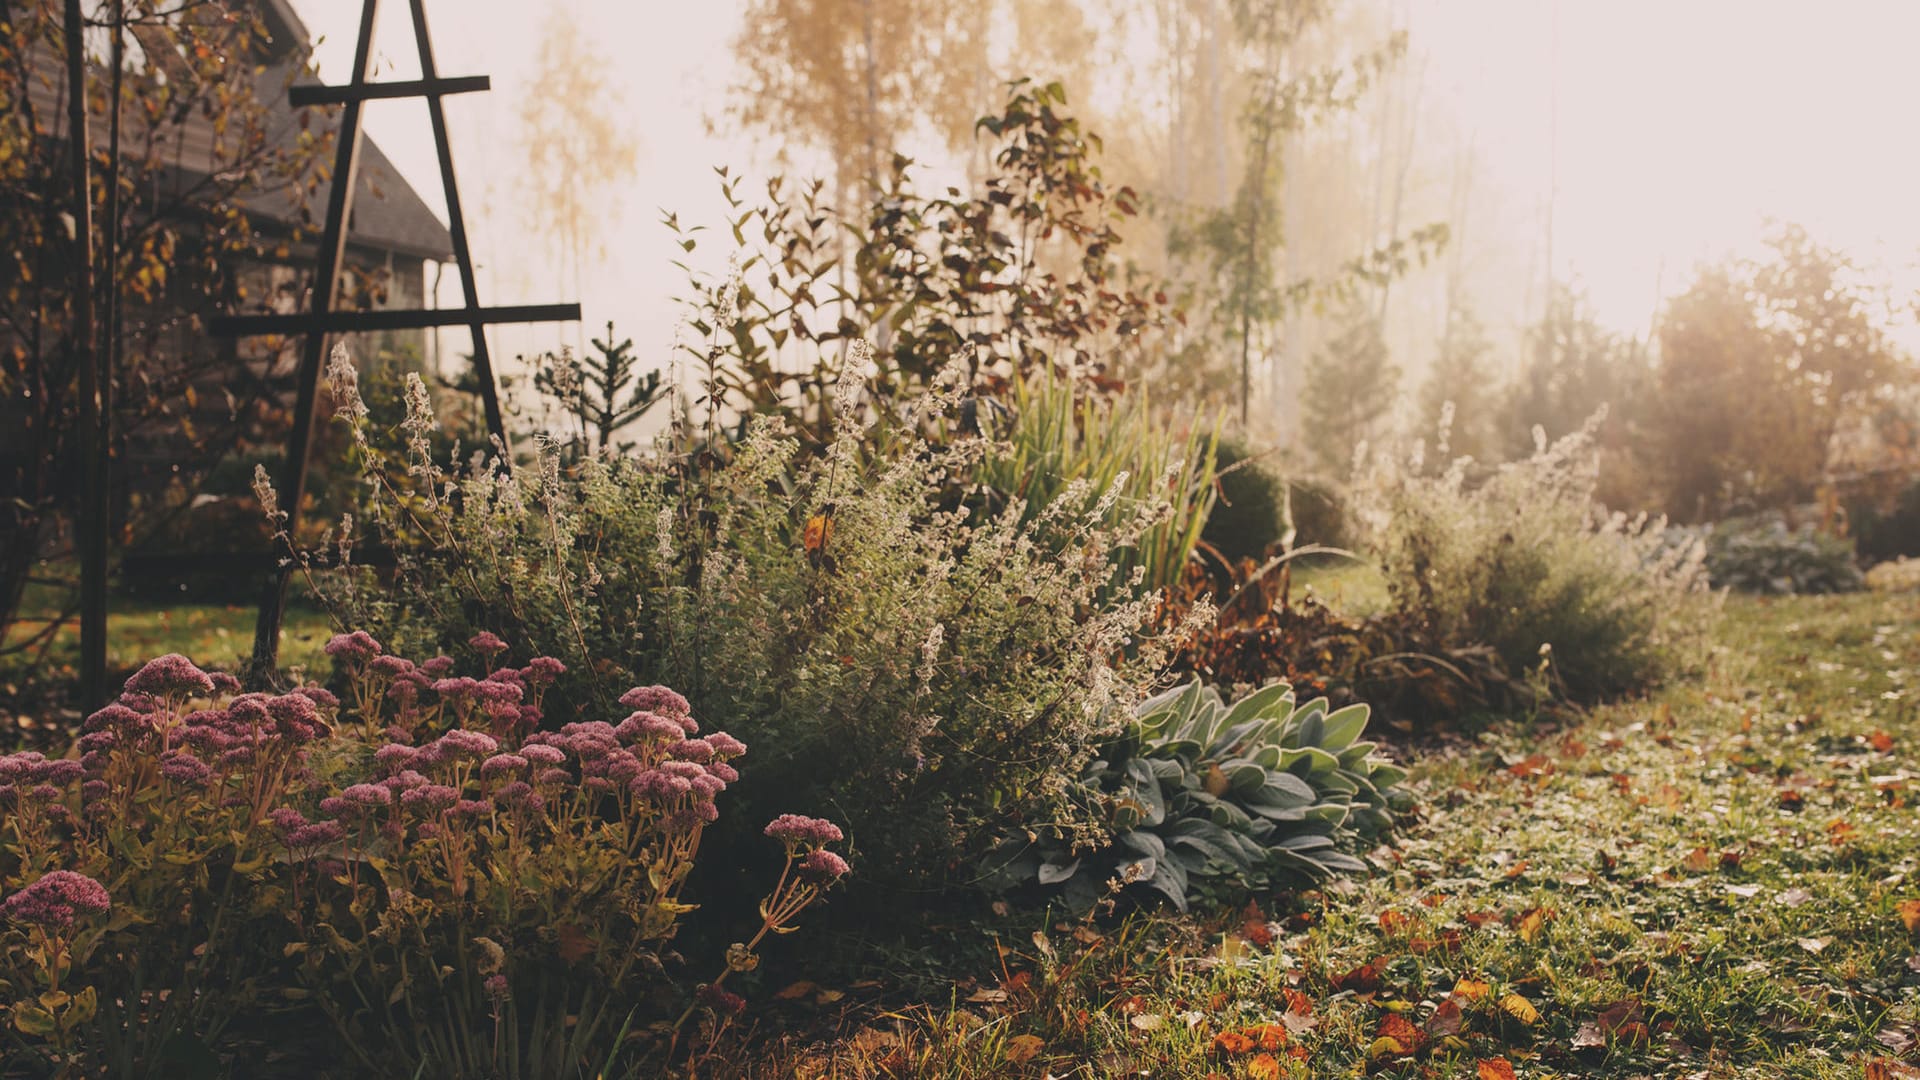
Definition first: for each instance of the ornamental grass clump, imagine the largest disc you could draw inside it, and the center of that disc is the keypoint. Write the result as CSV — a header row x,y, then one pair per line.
x,y
444,884
1588,603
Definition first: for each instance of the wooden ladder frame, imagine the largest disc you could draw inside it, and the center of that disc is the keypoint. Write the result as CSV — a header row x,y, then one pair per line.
x,y
322,319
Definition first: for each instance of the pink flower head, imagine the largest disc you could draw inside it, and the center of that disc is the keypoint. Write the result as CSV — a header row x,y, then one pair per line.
x,y
404,780
496,987
437,667
164,676
56,899
822,868
367,795
649,727
659,787
726,746
285,819
430,799
502,764
795,829
224,683
318,834
696,750
487,643
460,743
553,777
182,767
658,699
320,696
542,754
358,646
296,716
117,717
725,772
394,757
541,671
391,667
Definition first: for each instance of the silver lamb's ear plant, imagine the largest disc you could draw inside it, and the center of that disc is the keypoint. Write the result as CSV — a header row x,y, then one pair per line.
x,y
1257,793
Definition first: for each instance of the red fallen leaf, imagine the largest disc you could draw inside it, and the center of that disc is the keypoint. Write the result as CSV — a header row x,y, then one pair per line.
x,y
1132,1004
1840,832
1698,861
1298,1003
1401,1030
1446,1019
1495,1069
1881,741
1532,765
1448,941
1255,928
1434,899
1791,799
1732,858
1623,782
1363,978
1478,919
1394,922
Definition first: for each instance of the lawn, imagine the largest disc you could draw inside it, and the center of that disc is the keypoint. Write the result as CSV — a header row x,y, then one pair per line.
x,y
215,635
1721,880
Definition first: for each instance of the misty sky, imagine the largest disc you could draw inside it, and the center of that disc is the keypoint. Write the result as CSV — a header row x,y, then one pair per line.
x,y
1683,126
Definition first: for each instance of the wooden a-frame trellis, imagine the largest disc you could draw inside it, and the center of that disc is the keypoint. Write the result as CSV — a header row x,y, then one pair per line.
x,y
321,319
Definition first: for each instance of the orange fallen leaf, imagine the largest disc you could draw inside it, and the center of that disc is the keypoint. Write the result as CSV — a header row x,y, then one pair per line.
x,y
1698,861
1300,1004
1233,1042
1910,914
1271,1036
1881,741
1022,1049
1264,1067
1394,922
1496,1069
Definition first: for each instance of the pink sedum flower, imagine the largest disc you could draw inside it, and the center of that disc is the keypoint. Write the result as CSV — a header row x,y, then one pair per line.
x,y
55,900
793,829
168,675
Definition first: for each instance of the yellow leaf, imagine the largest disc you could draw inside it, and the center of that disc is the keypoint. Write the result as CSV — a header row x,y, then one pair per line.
x,y
1471,990
1519,1008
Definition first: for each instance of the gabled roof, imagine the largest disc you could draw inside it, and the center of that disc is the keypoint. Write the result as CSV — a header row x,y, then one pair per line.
x,y
388,214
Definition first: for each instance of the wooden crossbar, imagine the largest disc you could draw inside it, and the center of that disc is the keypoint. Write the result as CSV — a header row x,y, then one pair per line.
x,y
362,322
322,319
302,96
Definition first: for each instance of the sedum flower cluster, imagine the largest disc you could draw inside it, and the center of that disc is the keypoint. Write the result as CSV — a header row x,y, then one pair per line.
x,y
397,857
